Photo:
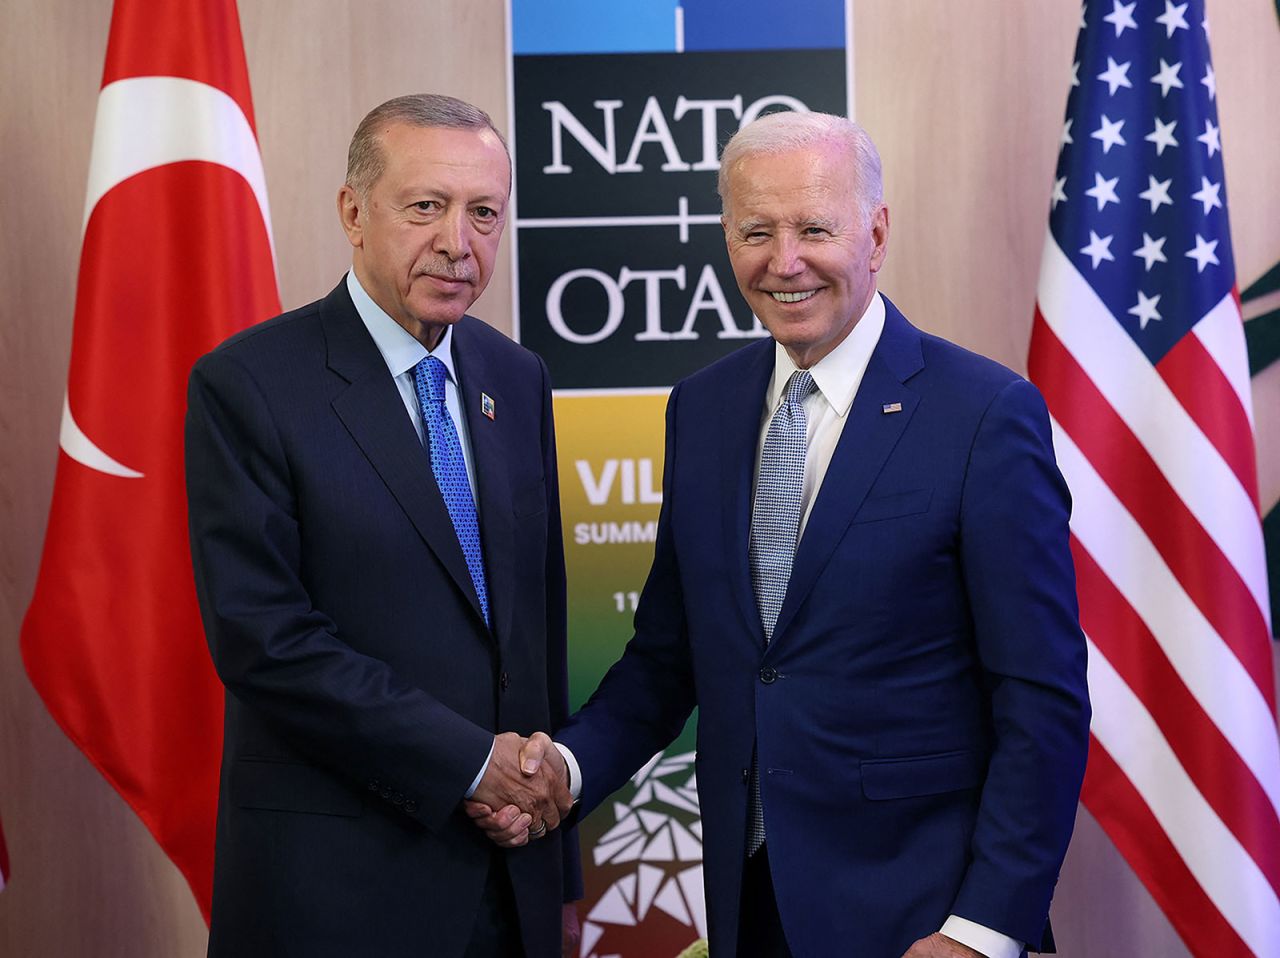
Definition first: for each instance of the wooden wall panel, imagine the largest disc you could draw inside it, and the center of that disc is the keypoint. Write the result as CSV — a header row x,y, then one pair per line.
x,y
965,100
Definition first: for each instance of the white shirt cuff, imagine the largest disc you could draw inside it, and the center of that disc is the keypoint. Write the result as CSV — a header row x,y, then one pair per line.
x,y
980,938
575,773
483,768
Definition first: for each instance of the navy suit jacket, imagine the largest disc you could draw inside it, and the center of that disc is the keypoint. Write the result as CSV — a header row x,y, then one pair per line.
x,y
364,687
921,713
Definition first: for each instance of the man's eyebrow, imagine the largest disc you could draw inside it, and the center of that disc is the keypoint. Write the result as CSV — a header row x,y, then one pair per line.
x,y
825,222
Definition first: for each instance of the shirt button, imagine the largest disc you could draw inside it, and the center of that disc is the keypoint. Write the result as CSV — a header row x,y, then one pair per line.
x,y
767,675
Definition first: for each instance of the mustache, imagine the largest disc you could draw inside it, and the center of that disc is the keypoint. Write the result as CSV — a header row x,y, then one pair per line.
x,y
444,269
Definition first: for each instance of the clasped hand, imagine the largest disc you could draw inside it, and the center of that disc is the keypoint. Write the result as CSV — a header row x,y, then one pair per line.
x,y
524,792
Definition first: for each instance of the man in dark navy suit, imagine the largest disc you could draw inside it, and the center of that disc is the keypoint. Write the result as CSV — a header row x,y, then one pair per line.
x,y
375,530
862,580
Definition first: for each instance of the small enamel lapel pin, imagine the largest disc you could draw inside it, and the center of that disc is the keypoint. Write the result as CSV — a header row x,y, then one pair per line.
x,y
486,405
886,408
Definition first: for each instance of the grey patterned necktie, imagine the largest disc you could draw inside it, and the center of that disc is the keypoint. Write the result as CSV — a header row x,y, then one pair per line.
x,y
775,527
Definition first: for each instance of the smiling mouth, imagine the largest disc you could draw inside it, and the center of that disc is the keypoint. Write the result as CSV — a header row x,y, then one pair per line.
x,y
793,297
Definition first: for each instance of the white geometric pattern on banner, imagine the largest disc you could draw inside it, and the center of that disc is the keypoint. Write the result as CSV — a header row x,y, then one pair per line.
x,y
667,850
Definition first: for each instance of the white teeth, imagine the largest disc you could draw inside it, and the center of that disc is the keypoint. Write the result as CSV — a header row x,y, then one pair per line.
x,y
793,297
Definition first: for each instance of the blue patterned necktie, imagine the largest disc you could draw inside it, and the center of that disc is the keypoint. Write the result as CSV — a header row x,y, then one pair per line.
x,y
450,470
775,528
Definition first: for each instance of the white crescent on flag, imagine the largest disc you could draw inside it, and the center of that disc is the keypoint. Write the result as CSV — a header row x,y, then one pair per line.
x,y
143,123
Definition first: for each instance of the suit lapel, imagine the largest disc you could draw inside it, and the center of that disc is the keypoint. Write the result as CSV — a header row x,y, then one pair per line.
x,y
868,438
373,413
476,375
739,427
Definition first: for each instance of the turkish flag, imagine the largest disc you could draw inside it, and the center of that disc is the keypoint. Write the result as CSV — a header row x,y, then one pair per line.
x,y
176,256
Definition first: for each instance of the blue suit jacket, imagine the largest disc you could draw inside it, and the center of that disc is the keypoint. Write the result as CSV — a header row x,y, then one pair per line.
x,y
364,687
921,713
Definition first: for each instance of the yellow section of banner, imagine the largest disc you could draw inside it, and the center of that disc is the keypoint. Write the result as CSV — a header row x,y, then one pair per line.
x,y
610,448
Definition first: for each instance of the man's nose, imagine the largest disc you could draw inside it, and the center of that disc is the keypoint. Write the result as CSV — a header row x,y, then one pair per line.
x,y
785,258
452,237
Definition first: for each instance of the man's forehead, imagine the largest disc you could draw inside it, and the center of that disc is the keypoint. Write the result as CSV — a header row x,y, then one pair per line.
x,y
807,199
422,155
445,145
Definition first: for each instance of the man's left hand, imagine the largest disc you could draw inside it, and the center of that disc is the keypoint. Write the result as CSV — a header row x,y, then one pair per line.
x,y
939,945
507,828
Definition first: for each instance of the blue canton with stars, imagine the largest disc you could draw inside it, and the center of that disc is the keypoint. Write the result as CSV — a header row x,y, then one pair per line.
x,y
1139,202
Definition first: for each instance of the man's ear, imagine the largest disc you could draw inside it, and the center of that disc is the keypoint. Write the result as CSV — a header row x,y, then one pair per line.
x,y
880,235
351,213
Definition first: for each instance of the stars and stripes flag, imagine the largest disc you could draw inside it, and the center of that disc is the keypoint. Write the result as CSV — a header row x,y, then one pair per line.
x,y
1139,348
176,255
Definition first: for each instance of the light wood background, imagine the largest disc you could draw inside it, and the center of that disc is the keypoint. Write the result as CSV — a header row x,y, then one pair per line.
x,y
966,102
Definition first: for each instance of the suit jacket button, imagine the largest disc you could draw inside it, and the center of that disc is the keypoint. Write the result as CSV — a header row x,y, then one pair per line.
x,y
767,675
503,681
373,785
386,792
411,806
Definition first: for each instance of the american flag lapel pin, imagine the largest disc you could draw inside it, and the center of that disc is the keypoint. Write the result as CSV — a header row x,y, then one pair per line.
x,y
891,407
486,405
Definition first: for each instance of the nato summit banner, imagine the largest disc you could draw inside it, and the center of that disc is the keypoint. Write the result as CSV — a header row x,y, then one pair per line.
x,y
622,284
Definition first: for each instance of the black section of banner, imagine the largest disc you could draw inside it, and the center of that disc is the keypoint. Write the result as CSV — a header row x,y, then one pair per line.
x,y
639,304
651,342
577,83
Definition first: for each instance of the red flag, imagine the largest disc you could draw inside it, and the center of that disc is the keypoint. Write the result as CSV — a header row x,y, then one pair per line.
x,y
176,255
1139,349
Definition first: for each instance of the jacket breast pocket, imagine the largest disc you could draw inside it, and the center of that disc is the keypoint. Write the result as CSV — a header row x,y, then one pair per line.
x,y
887,778
909,503
291,787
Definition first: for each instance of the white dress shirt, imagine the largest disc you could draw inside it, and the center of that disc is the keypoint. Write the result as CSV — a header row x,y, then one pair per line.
x,y
402,353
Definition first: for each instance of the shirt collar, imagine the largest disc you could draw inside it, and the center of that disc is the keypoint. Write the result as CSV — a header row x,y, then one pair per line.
x,y
400,351
839,373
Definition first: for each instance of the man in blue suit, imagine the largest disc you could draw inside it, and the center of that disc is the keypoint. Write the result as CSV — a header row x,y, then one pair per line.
x,y
862,580
375,531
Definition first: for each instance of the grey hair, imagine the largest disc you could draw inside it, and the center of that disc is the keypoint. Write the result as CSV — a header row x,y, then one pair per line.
x,y
365,158
784,132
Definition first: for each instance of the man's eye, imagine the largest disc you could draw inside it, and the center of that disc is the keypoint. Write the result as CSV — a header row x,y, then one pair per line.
x,y
485,213
424,206
814,231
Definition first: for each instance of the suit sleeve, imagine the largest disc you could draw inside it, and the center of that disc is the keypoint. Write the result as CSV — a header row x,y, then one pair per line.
x,y
273,650
643,701
1021,584
557,622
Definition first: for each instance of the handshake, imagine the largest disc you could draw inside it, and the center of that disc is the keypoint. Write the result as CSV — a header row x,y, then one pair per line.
x,y
524,793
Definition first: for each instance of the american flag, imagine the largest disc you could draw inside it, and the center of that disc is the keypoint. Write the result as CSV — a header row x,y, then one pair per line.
x,y
1139,348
